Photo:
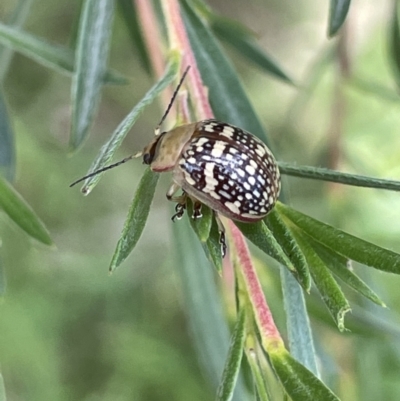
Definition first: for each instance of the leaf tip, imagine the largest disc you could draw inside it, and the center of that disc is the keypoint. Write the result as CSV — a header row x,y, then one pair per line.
x,y
340,318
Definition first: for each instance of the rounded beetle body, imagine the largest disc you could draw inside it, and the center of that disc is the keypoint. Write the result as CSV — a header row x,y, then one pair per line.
x,y
222,166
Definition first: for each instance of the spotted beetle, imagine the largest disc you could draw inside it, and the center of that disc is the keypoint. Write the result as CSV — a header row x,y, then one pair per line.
x,y
216,164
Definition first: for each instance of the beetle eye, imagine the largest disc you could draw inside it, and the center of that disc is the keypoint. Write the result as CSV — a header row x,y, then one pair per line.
x,y
147,158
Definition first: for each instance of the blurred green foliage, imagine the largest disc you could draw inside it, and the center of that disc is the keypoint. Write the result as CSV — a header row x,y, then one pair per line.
x,y
70,331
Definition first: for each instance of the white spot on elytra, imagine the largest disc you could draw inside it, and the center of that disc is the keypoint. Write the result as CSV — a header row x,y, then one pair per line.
x,y
250,169
252,180
227,131
232,207
225,194
188,178
253,163
218,149
260,150
209,127
201,141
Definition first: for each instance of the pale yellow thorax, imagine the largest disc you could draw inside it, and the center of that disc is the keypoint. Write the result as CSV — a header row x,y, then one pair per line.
x,y
169,147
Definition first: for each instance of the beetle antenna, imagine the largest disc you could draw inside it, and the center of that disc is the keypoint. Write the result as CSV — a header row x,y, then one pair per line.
x,y
109,167
157,130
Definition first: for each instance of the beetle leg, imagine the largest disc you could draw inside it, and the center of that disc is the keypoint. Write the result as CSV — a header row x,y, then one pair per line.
x,y
171,192
180,201
197,210
180,210
222,239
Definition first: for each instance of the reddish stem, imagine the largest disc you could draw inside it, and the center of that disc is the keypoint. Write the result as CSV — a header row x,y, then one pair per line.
x,y
268,330
179,39
151,34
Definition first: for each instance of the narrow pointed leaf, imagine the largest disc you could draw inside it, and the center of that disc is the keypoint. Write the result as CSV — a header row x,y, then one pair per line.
x,y
16,20
258,375
202,225
301,343
394,42
110,147
330,291
337,15
90,66
232,365
244,43
12,203
207,231
371,86
58,58
343,243
212,247
324,174
260,235
203,306
3,282
129,15
7,148
339,266
225,89
136,219
298,381
2,389
288,243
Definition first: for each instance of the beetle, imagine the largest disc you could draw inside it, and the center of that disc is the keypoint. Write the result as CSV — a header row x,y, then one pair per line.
x,y
216,164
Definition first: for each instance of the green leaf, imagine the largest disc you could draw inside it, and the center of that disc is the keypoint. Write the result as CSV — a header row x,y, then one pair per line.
x,y
343,243
394,42
16,20
372,322
3,282
206,229
201,226
212,247
298,381
324,174
129,15
232,365
337,15
109,148
243,42
339,266
226,93
330,291
136,219
21,213
258,376
371,86
7,148
203,306
90,66
58,58
2,389
288,243
301,343
260,235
